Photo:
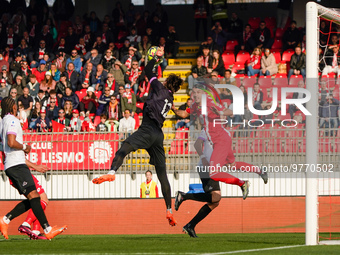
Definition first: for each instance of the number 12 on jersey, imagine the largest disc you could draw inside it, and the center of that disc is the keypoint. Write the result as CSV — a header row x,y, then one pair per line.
x,y
165,108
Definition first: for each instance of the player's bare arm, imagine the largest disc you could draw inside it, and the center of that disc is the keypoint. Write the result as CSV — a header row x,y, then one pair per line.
x,y
39,168
181,113
13,143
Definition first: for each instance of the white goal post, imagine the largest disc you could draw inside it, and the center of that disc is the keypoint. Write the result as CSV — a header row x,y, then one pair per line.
x,y
313,11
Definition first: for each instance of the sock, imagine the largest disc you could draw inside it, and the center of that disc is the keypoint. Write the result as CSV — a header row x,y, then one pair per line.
x,y
39,212
202,213
26,224
226,178
201,197
36,224
163,179
19,209
47,229
6,220
112,172
37,232
245,167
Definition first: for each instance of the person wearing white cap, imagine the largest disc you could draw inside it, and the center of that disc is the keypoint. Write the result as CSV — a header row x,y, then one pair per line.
x,y
6,74
89,103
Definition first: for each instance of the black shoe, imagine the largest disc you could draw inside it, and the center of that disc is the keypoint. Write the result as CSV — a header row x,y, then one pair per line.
x,y
179,199
190,231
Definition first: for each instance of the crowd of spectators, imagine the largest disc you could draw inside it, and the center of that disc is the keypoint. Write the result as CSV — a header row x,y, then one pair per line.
x,y
85,74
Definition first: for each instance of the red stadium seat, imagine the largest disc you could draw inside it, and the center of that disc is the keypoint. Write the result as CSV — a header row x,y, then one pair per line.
x,y
265,82
277,44
81,94
249,81
228,59
294,80
96,121
280,81
230,46
277,56
177,147
336,92
279,33
98,93
242,57
254,22
287,55
270,21
270,94
237,66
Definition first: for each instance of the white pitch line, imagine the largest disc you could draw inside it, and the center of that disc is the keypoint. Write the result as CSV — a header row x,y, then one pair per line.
x,y
254,250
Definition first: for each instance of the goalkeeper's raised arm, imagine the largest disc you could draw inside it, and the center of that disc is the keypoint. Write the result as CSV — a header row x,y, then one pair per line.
x,y
151,64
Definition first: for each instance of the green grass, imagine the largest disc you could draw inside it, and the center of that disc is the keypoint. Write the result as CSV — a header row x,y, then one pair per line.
x,y
168,244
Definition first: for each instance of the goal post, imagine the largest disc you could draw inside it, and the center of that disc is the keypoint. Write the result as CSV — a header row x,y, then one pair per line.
x,y
314,12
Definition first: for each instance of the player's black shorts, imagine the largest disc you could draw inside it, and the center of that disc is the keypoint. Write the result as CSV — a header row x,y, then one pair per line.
x,y
210,185
21,178
149,137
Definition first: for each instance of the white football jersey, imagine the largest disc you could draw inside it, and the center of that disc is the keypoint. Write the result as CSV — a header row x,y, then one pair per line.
x,y
11,125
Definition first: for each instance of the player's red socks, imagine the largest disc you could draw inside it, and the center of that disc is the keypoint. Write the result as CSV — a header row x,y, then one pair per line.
x,y
245,167
31,217
226,178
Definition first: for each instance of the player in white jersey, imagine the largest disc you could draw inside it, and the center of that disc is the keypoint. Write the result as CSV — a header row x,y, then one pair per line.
x,y
18,172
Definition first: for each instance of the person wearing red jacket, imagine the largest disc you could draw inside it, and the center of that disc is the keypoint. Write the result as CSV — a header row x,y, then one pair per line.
x,y
40,71
253,65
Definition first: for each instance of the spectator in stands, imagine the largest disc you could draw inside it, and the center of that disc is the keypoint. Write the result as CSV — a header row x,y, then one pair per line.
x,y
143,89
94,22
40,71
292,37
48,61
118,71
332,59
26,100
88,103
323,93
112,125
184,122
72,76
297,63
126,125
323,32
132,55
206,56
243,41
53,111
227,79
108,60
87,74
6,75
37,55
172,42
261,38
101,127
214,79
143,48
52,29
75,123
103,100
55,73
14,94
4,89
76,60
70,96
99,45
47,84
93,57
164,63
253,64
107,20
42,98
15,64
106,35
68,109
112,110
198,72
99,78
3,61
329,113
45,36
334,40
132,76
23,49
24,72
62,85
217,63
268,63
60,46
134,38
235,27
43,124
114,50
33,86
125,49
292,108
80,47
257,97
22,117
153,38
71,40
35,113
60,61
18,85
88,125
111,84
89,38
128,101
218,35
201,9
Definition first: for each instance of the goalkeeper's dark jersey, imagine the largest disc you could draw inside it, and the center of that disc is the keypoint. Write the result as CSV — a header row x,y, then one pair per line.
x,y
160,99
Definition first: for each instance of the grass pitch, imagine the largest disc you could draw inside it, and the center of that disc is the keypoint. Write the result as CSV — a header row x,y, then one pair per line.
x,y
214,244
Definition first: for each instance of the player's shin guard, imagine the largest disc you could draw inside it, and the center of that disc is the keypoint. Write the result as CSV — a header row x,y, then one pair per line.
x,y
200,197
245,167
163,179
120,155
19,209
226,178
202,213
39,212
36,224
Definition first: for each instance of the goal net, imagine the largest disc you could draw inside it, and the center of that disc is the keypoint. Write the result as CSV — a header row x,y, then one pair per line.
x,y
322,132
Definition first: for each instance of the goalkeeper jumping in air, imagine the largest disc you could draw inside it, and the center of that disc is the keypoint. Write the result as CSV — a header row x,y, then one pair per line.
x,y
150,136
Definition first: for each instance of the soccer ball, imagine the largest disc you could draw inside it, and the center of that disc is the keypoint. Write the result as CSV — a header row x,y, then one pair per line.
x,y
152,53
